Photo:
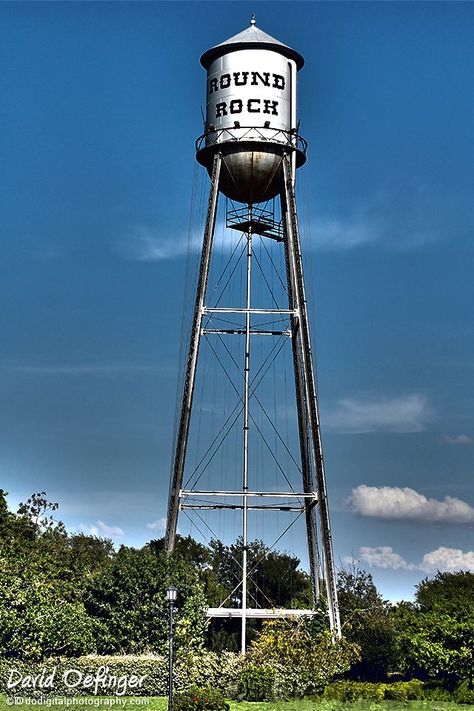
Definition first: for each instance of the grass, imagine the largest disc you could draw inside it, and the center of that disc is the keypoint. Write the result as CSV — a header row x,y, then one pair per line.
x,y
161,704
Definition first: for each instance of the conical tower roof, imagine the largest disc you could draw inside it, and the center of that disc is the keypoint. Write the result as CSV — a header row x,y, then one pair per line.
x,y
251,38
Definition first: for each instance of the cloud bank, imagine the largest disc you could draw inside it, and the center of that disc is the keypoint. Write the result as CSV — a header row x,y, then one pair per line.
x,y
404,414
405,504
443,559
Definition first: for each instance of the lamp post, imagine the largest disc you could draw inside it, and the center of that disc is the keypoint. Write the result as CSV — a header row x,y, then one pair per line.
x,y
171,597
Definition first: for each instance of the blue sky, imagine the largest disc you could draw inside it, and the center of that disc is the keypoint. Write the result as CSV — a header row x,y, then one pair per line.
x,y
100,110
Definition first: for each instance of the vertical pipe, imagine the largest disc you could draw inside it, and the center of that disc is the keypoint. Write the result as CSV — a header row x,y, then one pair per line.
x,y
245,481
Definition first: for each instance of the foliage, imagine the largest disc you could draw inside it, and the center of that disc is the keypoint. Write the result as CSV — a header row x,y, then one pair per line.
x,y
276,580
40,611
365,621
305,663
73,594
354,690
464,693
350,691
127,601
200,699
434,634
153,668
256,682
39,511
218,671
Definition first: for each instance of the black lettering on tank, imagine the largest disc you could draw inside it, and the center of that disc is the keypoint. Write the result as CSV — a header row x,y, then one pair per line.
x,y
267,105
224,81
221,109
238,81
278,82
213,85
250,103
235,106
264,78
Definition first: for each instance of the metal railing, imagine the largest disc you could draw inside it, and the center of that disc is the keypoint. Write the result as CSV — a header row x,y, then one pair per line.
x,y
252,133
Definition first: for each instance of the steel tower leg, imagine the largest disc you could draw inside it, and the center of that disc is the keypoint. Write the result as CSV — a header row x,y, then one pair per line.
x,y
303,429
297,297
245,480
190,377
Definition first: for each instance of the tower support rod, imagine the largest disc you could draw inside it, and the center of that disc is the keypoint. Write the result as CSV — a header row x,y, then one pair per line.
x,y
307,388
193,351
245,480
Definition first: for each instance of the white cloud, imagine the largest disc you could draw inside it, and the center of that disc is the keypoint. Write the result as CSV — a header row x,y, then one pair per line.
x,y
102,529
159,525
446,560
383,557
461,439
403,503
403,414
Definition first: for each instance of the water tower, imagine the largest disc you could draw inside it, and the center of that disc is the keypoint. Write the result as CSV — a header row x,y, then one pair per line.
x,y
251,149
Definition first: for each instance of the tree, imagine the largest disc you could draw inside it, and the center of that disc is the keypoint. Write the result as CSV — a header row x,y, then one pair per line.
x,y
366,621
127,602
275,579
435,633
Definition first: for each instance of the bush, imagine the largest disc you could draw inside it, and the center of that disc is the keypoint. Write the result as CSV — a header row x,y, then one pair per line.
x,y
435,692
198,698
304,663
219,671
354,690
256,683
397,691
464,694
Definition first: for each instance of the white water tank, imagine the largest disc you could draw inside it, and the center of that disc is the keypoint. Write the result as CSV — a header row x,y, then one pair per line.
x,y
250,113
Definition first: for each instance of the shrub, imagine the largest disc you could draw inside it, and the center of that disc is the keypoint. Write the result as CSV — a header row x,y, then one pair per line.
x,y
219,671
304,663
415,689
354,690
435,692
397,691
464,694
256,683
198,698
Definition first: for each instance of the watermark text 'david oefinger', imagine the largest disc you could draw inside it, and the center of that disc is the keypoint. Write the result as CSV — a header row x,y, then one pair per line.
x,y
101,681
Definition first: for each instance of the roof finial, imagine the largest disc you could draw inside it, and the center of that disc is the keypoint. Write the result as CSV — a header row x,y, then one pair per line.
x,y
253,20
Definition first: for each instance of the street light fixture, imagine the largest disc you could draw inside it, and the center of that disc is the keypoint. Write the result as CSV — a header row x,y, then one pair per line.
x,y
171,594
